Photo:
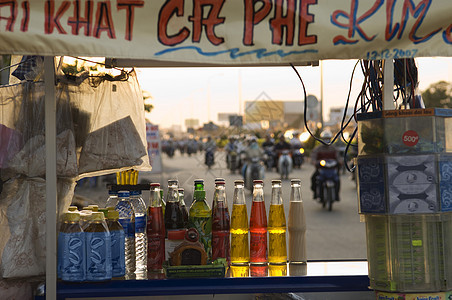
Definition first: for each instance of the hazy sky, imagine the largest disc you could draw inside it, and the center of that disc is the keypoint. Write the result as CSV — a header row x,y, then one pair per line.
x,y
183,93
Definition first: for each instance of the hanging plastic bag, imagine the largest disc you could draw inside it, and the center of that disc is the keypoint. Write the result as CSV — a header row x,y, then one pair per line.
x,y
23,224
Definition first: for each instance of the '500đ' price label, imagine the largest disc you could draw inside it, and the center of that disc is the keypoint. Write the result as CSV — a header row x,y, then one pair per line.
x,y
391,54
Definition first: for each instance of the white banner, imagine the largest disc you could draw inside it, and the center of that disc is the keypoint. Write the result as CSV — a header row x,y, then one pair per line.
x,y
154,148
228,31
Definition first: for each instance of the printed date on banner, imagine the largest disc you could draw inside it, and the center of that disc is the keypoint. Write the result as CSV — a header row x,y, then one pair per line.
x,y
391,54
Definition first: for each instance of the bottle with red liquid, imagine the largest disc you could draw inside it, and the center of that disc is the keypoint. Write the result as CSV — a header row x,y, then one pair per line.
x,y
155,231
220,224
174,219
258,228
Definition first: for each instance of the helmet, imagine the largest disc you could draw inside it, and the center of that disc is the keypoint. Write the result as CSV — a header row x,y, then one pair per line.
x,y
326,135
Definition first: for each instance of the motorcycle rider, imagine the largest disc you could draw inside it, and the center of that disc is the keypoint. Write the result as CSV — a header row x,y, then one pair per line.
x,y
231,146
268,146
323,152
281,146
252,151
209,147
295,141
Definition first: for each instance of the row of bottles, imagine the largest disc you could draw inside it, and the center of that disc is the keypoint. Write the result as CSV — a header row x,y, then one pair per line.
x,y
89,247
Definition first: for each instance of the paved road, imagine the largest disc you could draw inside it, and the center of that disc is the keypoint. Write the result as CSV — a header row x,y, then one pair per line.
x,y
330,235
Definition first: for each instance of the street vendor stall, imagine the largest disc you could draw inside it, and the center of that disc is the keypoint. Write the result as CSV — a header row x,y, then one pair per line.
x,y
200,33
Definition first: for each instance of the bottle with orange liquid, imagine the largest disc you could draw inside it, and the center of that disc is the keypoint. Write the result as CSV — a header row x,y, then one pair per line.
x,y
258,231
240,252
220,224
277,249
155,231
297,231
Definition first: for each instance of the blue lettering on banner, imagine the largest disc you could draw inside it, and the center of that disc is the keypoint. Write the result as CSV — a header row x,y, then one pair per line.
x,y
235,52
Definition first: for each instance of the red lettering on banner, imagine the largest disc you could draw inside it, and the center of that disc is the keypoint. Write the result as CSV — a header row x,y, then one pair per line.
x,y
305,19
279,22
419,12
212,20
52,20
104,21
77,22
26,17
253,18
167,11
11,19
129,6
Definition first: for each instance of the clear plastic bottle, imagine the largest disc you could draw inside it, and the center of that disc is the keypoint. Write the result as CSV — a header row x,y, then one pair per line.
x,y
140,230
258,227
277,249
297,231
221,222
127,220
183,207
112,199
240,252
200,217
98,249
71,248
117,244
155,231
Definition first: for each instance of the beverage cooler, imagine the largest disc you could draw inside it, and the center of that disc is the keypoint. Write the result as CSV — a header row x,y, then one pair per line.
x,y
405,187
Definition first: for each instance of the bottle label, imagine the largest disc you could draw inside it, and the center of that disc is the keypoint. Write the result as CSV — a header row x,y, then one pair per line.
x,y
140,223
118,253
156,251
129,227
258,247
98,256
204,227
71,256
220,245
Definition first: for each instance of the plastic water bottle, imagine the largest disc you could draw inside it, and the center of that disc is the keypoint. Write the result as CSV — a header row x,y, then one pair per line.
x,y
140,230
127,220
112,198
71,248
117,244
98,249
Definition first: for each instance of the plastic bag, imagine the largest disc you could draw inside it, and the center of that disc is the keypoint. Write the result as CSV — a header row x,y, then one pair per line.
x,y
23,224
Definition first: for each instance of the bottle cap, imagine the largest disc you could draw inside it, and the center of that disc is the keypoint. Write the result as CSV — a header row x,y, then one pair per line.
x,y
219,180
94,207
88,208
295,181
155,184
276,181
113,215
72,208
236,182
178,234
72,216
199,181
173,182
123,194
97,216
180,189
258,182
135,192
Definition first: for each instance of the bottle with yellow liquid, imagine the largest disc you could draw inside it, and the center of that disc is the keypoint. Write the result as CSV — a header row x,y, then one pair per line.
x,y
277,250
240,254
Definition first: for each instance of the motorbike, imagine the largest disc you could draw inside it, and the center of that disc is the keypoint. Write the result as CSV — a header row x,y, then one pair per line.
x,y
233,161
254,171
327,182
269,158
209,158
285,164
298,157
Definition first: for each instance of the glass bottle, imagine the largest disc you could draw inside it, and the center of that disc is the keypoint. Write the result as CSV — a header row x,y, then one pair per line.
x,y
71,249
240,254
297,231
277,249
127,220
220,224
258,225
200,217
155,231
98,249
173,214
163,201
118,241
183,207
140,211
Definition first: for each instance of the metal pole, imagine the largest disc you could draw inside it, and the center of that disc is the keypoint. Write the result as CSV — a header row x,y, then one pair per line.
x,y
321,94
388,87
51,178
